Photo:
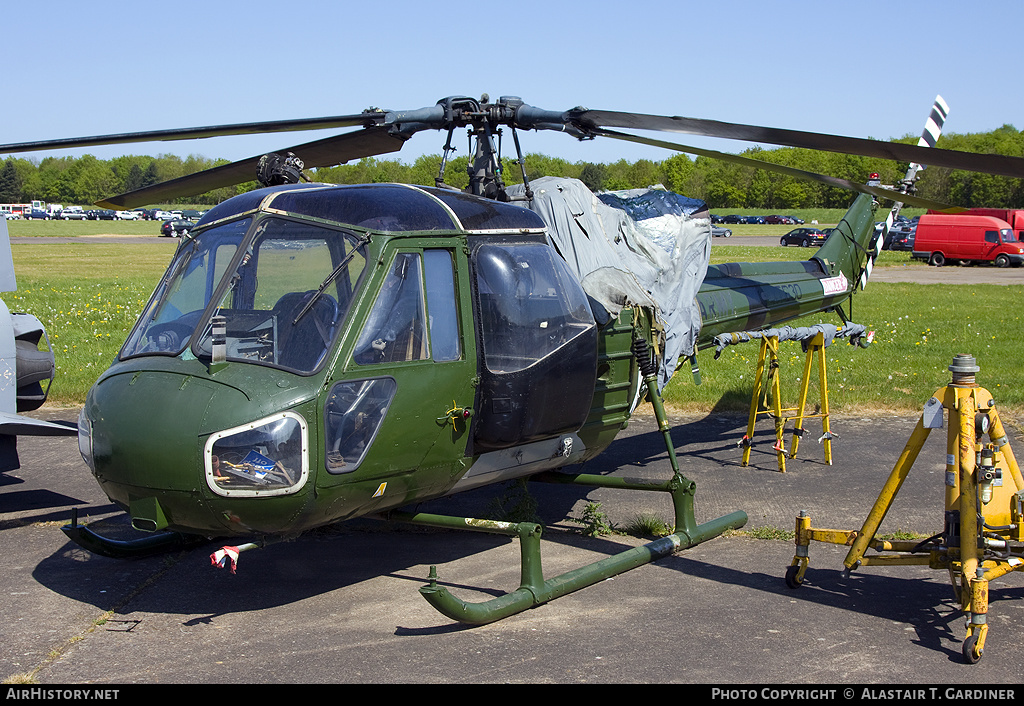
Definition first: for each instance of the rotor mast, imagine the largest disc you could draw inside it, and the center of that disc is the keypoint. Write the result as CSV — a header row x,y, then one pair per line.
x,y
485,121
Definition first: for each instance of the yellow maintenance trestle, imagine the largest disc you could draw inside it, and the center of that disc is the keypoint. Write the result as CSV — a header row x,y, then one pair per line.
x,y
768,361
981,539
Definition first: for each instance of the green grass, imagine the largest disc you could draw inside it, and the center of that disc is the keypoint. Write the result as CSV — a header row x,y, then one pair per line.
x,y
73,229
87,297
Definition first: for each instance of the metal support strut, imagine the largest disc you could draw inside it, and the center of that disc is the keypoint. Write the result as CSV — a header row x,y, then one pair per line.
x,y
533,589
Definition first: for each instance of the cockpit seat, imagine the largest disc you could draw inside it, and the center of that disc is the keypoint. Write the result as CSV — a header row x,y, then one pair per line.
x,y
303,342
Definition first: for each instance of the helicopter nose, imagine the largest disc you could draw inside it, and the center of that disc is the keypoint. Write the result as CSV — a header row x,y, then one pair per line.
x,y
141,434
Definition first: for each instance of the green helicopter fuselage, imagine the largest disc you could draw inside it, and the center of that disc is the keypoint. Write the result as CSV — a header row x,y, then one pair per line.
x,y
316,353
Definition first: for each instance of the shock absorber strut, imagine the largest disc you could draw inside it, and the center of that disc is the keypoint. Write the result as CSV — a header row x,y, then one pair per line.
x,y
649,370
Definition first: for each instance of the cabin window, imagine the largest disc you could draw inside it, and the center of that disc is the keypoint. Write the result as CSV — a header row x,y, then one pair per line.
x,y
353,414
991,236
530,305
539,346
264,458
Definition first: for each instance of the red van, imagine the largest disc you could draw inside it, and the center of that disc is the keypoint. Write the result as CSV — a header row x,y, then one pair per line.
x,y
1013,216
965,239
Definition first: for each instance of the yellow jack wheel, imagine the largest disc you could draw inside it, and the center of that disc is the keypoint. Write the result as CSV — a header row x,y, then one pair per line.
x,y
971,654
793,577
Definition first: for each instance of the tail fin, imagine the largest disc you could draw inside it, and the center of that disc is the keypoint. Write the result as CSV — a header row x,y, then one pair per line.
x,y
749,296
932,131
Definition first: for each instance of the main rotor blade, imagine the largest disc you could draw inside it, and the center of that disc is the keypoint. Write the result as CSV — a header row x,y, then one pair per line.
x,y
321,153
1001,165
878,192
195,133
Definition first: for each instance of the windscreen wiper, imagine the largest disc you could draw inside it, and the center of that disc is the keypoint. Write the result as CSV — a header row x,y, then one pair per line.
x,y
360,244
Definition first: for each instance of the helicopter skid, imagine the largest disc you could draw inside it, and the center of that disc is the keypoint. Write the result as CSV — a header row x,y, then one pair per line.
x,y
149,545
533,589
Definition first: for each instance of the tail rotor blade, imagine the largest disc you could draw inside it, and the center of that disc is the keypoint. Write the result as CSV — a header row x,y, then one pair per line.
x,y
930,135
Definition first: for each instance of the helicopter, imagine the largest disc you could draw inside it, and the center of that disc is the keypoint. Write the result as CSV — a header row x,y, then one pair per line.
x,y
317,353
24,367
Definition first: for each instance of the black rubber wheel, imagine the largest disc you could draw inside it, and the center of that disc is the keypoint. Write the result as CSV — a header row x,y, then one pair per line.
x,y
1002,261
805,243
968,649
791,577
937,259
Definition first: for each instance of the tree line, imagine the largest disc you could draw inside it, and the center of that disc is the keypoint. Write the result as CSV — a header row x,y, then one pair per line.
x,y
85,180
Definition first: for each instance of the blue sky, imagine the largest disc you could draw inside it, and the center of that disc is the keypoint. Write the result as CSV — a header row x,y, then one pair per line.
x,y
864,69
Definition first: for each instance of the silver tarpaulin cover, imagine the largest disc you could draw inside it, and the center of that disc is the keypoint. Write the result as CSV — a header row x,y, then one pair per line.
x,y
643,247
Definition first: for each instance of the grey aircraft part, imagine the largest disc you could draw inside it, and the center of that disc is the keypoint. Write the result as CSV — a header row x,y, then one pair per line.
x,y
644,247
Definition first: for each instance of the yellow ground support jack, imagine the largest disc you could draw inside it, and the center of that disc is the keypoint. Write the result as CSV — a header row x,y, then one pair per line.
x,y
982,535
768,361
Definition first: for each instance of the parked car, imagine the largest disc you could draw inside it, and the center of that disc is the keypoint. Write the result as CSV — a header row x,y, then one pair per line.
x,y
715,218
37,213
903,241
804,237
176,227
720,232
12,216
796,221
775,219
733,219
753,219
126,215
71,214
101,214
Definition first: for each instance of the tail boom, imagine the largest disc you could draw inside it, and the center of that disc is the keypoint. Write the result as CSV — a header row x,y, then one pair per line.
x,y
749,296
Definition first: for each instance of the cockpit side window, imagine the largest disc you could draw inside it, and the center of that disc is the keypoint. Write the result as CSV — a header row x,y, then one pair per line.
x,y
442,307
415,315
396,327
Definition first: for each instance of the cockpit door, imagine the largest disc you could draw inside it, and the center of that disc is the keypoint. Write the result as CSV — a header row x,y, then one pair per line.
x,y
408,378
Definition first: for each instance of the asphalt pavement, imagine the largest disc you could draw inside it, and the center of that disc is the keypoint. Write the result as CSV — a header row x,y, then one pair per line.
x,y
341,605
